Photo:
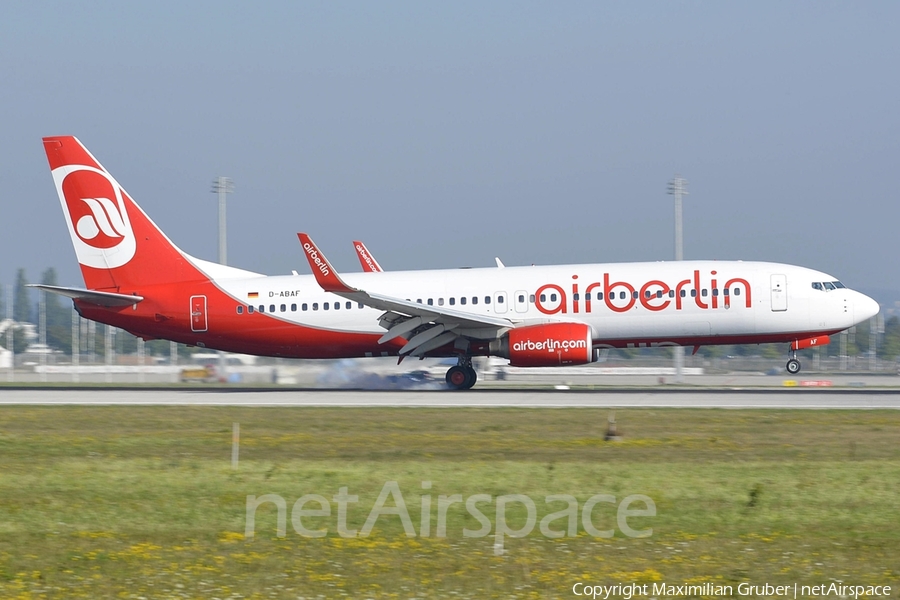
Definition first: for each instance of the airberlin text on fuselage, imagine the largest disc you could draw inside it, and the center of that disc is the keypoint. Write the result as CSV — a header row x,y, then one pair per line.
x,y
610,294
320,264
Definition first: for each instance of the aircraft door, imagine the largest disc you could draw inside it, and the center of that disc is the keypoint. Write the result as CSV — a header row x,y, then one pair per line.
x,y
198,313
779,293
500,302
521,301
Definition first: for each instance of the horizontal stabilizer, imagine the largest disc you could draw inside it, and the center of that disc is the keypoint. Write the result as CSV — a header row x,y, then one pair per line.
x,y
108,299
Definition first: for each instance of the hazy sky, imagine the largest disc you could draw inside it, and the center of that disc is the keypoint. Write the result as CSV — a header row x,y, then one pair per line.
x,y
444,134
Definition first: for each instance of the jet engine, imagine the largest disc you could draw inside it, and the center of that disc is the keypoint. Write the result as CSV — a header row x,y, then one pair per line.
x,y
546,345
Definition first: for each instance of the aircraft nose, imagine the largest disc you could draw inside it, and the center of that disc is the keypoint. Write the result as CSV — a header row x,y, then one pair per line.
x,y
865,308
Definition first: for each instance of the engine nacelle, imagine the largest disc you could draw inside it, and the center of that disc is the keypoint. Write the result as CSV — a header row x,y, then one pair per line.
x,y
546,345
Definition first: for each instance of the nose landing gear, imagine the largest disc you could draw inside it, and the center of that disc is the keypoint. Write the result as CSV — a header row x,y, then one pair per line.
x,y
462,376
793,365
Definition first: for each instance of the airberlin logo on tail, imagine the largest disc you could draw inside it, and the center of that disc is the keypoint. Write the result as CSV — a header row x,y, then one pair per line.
x,y
314,256
95,211
104,218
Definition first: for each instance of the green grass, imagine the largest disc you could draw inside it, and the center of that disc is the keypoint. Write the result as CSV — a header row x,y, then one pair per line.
x,y
141,501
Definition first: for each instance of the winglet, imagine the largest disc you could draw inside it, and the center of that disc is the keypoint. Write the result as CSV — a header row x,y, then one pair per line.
x,y
500,264
368,262
325,274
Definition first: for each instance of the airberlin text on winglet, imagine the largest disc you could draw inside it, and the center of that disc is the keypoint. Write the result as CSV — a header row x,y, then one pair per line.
x,y
366,257
654,295
314,256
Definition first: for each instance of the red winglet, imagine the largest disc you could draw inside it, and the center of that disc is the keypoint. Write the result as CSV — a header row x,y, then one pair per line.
x,y
325,274
368,262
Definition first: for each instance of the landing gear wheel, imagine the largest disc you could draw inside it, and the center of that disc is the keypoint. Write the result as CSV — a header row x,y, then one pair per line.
x,y
461,377
472,377
457,378
793,366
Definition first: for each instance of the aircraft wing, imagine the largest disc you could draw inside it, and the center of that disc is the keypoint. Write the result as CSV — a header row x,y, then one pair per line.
x,y
435,326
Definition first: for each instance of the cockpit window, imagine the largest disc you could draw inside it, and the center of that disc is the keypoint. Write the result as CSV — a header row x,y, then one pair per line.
x,y
838,284
829,285
817,286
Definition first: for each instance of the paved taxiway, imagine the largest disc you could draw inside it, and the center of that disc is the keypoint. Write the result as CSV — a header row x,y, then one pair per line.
x,y
703,398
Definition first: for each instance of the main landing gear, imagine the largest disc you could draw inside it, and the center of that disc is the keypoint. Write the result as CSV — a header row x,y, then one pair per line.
x,y
462,376
793,365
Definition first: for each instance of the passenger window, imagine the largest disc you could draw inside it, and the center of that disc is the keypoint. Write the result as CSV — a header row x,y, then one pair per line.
x,y
725,291
419,300
500,300
474,299
621,295
552,297
293,308
715,291
249,310
487,299
325,306
271,308
543,297
737,291
671,293
683,293
240,310
361,305
522,297
304,306
634,295
283,308
646,293
452,301
431,302
462,300
693,293
337,306
659,293
440,301
703,292
531,298
262,308
576,296
599,295
315,306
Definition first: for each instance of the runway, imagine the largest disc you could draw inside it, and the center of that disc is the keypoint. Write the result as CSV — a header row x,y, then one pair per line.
x,y
621,398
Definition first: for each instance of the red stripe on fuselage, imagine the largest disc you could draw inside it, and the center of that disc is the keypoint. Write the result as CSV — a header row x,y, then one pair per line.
x,y
166,313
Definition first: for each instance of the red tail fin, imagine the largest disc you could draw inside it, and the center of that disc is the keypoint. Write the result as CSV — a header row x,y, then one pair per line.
x,y
118,247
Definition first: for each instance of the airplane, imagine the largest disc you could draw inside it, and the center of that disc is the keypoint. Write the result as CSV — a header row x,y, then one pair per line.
x,y
535,316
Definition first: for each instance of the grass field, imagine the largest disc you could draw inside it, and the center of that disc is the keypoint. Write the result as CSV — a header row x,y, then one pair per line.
x,y
129,502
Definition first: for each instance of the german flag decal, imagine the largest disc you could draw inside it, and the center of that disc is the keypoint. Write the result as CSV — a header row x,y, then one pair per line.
x,y
253,295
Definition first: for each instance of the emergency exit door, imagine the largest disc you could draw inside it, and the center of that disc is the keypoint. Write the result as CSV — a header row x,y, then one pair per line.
x,y
779,293
198,313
